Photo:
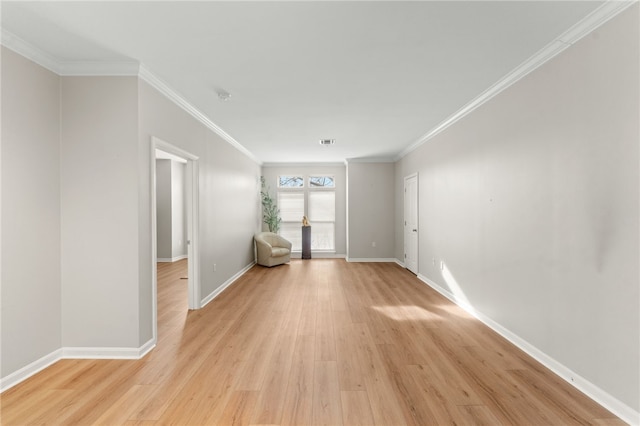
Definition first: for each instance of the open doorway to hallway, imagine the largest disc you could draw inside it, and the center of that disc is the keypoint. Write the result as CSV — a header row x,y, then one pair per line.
x,y
171,238
171,208
174,224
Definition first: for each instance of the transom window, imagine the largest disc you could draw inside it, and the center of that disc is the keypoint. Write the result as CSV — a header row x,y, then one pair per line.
x,y
321,182
290,182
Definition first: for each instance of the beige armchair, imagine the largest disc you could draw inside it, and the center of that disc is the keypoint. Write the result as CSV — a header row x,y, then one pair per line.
x,y
272,249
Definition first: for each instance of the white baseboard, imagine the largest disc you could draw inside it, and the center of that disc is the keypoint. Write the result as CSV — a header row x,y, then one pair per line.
x,y
600,396
318,255
73,353
372,259
171,259
321,255
147,347
226,284
29,370
97,353
107,353
400,263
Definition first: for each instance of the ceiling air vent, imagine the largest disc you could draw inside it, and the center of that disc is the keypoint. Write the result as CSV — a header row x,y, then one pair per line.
x,y
327,141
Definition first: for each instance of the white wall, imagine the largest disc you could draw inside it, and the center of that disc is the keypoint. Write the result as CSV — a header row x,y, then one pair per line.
x,y
170,210
163,209
75,202
31,290
532,204
272,171
371,210
229,196
178,210
99,175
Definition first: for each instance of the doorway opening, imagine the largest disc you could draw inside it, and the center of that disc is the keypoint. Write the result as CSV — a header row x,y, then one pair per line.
x,y
180,242
411,223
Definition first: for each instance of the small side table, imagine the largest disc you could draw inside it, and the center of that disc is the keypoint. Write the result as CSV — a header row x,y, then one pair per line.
x,y
306,242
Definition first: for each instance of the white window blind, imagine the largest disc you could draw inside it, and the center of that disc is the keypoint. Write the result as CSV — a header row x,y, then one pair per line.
x,y
291,205
322,215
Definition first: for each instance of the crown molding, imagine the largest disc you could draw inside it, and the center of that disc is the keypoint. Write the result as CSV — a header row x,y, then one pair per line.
x,y
598,17
71,68
29,51
595,19
370,160
122,68
319,164
119,69
180,101
602,14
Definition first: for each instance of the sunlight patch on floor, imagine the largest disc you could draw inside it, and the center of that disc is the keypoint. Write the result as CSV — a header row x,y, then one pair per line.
x,y
407,313
456,310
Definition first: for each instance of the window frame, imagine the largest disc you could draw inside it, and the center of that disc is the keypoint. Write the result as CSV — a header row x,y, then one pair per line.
x,y
306,190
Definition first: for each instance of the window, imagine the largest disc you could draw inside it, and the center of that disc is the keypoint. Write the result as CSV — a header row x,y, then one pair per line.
x,y
318,203
321,182
322,215
290,182
291,205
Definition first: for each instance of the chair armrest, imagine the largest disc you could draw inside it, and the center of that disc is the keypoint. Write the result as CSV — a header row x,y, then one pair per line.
x,y
262,243
282,242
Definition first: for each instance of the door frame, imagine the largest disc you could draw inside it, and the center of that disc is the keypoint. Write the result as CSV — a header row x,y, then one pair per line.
x,y
192,218
404,228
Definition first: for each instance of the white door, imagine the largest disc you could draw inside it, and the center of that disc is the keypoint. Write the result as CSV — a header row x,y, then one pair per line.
x,y
411,223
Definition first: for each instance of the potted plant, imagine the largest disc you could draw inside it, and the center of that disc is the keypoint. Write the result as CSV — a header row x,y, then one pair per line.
x,y
270,211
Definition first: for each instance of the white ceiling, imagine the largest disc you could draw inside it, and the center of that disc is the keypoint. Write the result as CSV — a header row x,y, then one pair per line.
x,y
375,76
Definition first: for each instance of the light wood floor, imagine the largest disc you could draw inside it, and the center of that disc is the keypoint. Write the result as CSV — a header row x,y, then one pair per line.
x,y
314,342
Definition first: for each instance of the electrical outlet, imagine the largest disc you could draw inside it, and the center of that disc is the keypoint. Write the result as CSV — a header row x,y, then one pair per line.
x,y
215,267
373,244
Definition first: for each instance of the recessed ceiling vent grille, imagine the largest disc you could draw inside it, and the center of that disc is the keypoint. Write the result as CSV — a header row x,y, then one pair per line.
x,y
327,141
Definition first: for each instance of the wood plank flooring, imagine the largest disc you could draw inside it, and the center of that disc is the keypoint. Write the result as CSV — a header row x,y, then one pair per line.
x,y
315,342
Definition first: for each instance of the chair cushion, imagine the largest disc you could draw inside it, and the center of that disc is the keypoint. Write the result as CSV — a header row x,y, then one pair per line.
x,y
279,251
